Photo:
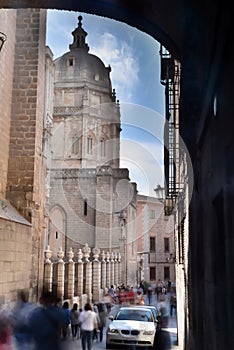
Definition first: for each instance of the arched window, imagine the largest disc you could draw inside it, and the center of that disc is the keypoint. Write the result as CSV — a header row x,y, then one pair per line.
x,y
85,207
103,147
57,229
75,145
89,145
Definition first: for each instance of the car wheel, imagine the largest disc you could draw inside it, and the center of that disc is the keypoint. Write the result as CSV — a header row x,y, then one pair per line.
x,y
109,346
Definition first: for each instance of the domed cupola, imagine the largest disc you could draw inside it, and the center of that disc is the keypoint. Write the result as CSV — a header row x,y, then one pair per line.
x,y
79,35
78,66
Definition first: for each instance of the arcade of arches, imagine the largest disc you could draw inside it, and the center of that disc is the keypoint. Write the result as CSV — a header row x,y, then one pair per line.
x,y
199,35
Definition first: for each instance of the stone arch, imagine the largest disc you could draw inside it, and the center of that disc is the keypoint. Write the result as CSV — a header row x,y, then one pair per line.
x,y
57,229
102,145
201,38
150,19
91,142
76,144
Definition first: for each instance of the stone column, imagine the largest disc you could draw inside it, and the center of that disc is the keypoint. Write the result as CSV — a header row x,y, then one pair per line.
x,y
80,274
88,272
96,275
116,270
60,274
103,267
112,269
108,277
48,271
120,268
71,275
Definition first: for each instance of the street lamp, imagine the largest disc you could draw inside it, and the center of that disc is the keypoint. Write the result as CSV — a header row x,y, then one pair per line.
x,y
123,220
160,192
168,206
2,39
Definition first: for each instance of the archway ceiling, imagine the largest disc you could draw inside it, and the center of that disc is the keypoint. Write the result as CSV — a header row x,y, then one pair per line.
x,y
164,20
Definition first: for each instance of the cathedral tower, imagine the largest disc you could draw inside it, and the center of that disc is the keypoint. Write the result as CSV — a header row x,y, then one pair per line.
x,y
86,114
91,199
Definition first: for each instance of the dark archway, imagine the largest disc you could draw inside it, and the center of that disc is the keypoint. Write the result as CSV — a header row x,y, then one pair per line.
x,y
200,36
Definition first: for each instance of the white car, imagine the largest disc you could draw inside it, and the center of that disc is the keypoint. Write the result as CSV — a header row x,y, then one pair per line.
x,y
156,313
132,326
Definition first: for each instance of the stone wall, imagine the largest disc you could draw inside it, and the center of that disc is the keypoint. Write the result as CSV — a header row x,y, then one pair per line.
x,y
7,25
22,170
15,259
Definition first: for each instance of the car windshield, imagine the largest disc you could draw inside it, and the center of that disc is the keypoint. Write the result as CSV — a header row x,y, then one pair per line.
x,y
134,315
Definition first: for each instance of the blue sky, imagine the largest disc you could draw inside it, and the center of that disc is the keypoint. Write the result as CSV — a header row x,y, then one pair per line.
x,y
135,63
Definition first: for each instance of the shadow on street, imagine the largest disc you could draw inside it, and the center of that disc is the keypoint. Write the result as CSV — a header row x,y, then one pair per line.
x,y
163,341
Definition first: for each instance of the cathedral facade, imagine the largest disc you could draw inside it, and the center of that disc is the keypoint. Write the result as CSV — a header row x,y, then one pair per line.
x,y
91,200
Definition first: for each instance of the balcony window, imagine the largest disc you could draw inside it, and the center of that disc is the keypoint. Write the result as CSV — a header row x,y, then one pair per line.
x,y
166,245
152,274
90,145
152,245
166,273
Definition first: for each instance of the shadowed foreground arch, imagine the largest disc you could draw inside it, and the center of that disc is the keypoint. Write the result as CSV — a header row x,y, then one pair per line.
x,y
200,36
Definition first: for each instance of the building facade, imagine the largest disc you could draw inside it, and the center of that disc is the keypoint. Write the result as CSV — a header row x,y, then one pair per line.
x,y
156,248
201,37
91,199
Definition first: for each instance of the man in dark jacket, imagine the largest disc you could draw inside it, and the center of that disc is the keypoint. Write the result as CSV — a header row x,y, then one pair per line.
x,y
46,322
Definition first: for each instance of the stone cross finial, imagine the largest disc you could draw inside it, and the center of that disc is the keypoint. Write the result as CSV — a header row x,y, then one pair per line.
x,y
48,254
86,252
60,254
79,256
103,256
70,255
96,252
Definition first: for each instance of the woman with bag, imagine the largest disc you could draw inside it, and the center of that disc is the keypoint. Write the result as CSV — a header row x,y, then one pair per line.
x,y
88,320
74,316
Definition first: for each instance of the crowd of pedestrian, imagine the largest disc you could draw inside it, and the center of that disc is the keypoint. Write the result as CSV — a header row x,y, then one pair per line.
x,y
47,324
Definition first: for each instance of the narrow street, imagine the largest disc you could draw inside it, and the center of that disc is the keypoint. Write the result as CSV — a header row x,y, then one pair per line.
x,y
166,340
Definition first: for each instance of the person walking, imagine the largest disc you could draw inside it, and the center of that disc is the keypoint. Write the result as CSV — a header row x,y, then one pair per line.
x,y
140,298
74,318
102,313
45,322
66,311
96,330
20,322
149,293
88,320
172,304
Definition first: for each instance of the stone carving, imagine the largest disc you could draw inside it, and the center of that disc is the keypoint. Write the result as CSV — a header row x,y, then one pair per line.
x,y
70,255
96,253
48,254
86,252
79,256
103,256
60,254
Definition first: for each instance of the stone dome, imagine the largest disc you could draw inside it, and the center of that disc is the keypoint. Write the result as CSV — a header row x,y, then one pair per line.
x,y
79,66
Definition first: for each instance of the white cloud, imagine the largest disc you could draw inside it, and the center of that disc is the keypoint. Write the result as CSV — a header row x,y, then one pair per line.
x,y
142,144
144,161
123,62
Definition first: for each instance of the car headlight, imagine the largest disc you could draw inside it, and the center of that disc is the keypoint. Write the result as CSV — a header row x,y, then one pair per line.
x,y
112,330
148,332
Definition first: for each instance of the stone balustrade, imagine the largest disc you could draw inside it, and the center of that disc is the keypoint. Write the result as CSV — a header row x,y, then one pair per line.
x,y
87,275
